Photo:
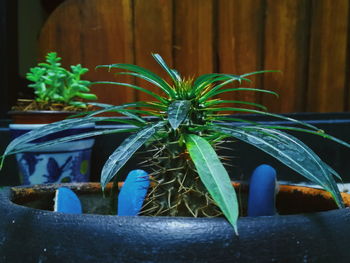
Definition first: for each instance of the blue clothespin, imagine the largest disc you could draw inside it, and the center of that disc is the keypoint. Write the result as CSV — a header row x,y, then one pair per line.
x,y
66,201
262,191
133,193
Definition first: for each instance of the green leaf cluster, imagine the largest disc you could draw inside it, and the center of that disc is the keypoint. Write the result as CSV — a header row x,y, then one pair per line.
x,y
55,84
191,118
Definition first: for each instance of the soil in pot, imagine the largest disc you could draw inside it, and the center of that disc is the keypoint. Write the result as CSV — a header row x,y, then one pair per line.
x,y
289,200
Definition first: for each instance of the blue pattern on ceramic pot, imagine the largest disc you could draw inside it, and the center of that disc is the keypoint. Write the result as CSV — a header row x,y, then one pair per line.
x,y
66,162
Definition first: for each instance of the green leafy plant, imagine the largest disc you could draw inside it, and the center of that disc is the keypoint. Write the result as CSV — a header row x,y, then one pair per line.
x,y
55,84
188,176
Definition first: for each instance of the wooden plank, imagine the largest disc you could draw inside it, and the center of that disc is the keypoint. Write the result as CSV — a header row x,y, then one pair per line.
x,y
327,66
153,34
286,49
240,29
194,37
92,33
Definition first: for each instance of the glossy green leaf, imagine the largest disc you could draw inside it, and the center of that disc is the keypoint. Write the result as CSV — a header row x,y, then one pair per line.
x,y
259,72
122,109
150,80
214,89
147,73
217,92
145,112
177,112
320,133
49,129
62,125
227,120
154,95
101,105
36,146
290,151
278,116
216,102
214,176
124,152
207,80
172,73
144,104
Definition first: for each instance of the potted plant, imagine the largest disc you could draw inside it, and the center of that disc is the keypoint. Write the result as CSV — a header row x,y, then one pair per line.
x,y
189,180
59,93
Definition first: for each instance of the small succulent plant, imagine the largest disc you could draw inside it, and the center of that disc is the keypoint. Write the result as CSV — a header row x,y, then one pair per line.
x,y
55,84
188,177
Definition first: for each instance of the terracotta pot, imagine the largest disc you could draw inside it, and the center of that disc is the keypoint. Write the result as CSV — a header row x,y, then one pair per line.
x,y
317,233
68,162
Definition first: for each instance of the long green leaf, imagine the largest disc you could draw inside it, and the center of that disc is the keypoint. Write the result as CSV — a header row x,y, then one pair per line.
x,y
49,129
278,116
259,72
146,112
177,112
322,134
122,109
217,92
213,77
152,81
214,176
215,88
290,151
101,105
145,104
107,108
215,102
172,73
224,119
144,72
206,80
46,130
134,87
318,133
34,146
124,152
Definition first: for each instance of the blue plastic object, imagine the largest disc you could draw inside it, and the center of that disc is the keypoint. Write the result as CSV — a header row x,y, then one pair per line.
x,y
262,191
133,193
66,201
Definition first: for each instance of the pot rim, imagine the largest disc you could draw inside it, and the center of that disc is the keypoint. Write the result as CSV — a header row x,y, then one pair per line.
x,y
95,187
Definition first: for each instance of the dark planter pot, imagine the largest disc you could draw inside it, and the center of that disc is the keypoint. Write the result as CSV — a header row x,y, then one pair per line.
x,y
33,235
68,162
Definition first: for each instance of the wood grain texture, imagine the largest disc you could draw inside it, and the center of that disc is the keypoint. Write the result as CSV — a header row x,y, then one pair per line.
x,y
306,39
153,34
194,32
240,34
328,49
286,49
92,33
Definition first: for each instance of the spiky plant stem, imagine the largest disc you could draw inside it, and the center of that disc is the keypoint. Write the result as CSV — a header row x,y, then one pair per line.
x,y
176,189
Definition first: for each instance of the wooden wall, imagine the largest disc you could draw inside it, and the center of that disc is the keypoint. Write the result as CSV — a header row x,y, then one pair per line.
x,y
306,39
